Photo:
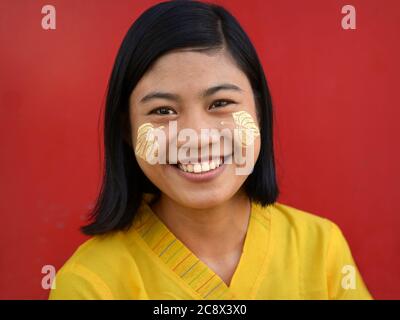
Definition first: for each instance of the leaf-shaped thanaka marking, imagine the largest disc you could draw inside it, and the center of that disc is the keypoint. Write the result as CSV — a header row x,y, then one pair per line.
x,y
146,144
244,121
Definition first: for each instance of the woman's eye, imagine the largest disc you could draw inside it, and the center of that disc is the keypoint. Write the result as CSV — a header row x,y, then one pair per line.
x,y
163,111
221,103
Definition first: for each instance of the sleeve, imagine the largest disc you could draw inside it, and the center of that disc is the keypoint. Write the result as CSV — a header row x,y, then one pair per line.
x,y
79,283
343,278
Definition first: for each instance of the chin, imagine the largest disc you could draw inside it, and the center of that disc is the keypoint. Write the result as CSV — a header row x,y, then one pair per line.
x,y
201,200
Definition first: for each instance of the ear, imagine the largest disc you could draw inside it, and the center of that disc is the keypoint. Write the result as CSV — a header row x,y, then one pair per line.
x,y
126,127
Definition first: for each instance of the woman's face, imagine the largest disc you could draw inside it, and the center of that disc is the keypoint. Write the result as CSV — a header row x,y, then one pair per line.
x,y
183,78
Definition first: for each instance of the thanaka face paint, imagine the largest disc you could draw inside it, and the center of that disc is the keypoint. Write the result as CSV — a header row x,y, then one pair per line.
x,y
244,122
151,142
147,146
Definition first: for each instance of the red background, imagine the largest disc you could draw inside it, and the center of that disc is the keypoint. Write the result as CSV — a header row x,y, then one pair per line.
x,y
336,100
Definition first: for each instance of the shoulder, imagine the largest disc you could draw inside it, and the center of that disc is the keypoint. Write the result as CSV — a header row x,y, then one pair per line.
x,y
299,220
99,249
308,231
317,246
90,272
313,238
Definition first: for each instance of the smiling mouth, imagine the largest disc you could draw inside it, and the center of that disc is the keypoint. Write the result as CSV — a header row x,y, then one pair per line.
x,y
201,167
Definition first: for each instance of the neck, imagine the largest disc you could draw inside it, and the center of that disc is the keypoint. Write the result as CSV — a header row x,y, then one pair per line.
x,y
212,232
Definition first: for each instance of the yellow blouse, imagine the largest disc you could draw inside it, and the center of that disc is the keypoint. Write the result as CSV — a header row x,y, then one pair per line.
x,y
287,254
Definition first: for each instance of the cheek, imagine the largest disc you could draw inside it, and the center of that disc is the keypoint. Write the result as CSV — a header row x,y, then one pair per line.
x,y
246,127
246,139
147,145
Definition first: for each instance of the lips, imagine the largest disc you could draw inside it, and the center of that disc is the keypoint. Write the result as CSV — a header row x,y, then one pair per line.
x,y
203,171
203,166
201,176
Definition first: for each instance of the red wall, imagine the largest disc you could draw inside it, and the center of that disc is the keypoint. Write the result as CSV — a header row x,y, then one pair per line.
x,y
336,96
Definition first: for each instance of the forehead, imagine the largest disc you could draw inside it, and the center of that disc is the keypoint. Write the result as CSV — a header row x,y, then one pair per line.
x,y
188,71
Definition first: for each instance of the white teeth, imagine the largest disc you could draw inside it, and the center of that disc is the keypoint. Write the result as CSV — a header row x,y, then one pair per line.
x,y
212,165
205,166
196,168
200,167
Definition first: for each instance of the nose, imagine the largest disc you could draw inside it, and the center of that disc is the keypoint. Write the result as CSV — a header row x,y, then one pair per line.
x,y
197,130
194,122
197,119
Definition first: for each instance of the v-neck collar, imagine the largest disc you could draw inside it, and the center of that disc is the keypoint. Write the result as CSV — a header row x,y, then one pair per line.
x,y
194,272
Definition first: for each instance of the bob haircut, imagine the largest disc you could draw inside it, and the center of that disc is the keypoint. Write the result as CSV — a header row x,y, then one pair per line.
x,y
166,26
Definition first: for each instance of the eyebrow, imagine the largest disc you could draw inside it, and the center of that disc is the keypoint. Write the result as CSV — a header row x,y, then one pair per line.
x,y
174,97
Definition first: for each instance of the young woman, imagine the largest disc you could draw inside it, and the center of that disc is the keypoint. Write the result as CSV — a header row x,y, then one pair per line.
x,y
172,222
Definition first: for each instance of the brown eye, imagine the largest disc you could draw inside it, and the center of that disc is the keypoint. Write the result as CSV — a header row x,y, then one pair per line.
x,y
163,111
221,103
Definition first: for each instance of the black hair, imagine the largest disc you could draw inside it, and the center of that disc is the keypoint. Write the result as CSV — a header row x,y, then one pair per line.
x,y
164,27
